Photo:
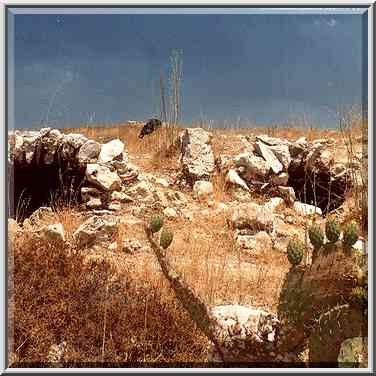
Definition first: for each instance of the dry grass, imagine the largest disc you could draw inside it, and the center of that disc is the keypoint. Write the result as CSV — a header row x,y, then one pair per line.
x,y
61,295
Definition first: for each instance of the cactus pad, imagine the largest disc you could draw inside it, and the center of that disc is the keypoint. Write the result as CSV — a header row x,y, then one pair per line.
x,y
295,251
350,235
316,236
166,238
156,224
332,230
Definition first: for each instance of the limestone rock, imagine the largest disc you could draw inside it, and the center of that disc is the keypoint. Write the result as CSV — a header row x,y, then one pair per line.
x,y
252,216
94,203
89,152
170,213
50,143
76,140
271,141
256,244
110,151
203,190
232,177
131,246
120,197
282,153
241,325
102,177
96,229
251,166
141,190
273,203
114,206
41,215
53,233
306,209
266,152
162,182
88,192
280,179
197,156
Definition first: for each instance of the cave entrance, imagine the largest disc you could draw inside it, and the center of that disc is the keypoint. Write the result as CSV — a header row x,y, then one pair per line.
x,y
318,189
34,185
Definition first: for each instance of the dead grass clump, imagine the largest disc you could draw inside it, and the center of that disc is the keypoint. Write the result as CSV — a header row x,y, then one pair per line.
x,y
354,128
105,318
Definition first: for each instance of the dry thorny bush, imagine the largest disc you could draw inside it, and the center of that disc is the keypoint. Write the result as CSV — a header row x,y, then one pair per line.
x,y
105,317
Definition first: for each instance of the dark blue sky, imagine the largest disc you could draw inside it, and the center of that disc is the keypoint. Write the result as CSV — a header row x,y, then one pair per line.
x,y
73,69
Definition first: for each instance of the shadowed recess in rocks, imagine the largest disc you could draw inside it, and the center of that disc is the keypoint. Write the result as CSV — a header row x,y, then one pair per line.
x,y
35,186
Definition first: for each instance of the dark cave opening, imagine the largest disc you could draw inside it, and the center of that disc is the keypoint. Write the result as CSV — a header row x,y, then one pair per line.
x,y
34,185
317,189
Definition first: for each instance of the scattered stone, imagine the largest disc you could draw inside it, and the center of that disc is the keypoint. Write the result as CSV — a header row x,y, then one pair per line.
x,y
170,213
251,166
258,243
131,246
197,156
75,140
110,151
120,197
102,177
273,204
115,206
232,177
203,190
162,182
160,197
305,209
360,246
89,152
96,229
280,179
269,157
141,189
42,214
52,233
89,192
252,216
282,152
240,325
271,141
298,147
94,203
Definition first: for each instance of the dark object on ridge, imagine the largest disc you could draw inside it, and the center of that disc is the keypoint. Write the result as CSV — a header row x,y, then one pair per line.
x,y
150,127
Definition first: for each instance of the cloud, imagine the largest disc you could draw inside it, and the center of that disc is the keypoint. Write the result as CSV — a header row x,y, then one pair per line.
x,y
324,22
332,22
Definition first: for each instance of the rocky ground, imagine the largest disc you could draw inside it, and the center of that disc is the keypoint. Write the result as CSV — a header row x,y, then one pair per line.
x,y
233,202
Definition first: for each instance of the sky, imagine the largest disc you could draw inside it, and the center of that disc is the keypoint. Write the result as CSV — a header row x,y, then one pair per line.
x,y
248,69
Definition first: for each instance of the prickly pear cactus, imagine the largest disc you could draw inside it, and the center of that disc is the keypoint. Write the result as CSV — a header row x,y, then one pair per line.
x,y
156,224
332,230
350,235
166,238
316,236
295,251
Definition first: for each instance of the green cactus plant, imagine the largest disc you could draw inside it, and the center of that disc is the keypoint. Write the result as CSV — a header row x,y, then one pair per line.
x,y
156,224
332,230
295,251
316,236
166,238
350,235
